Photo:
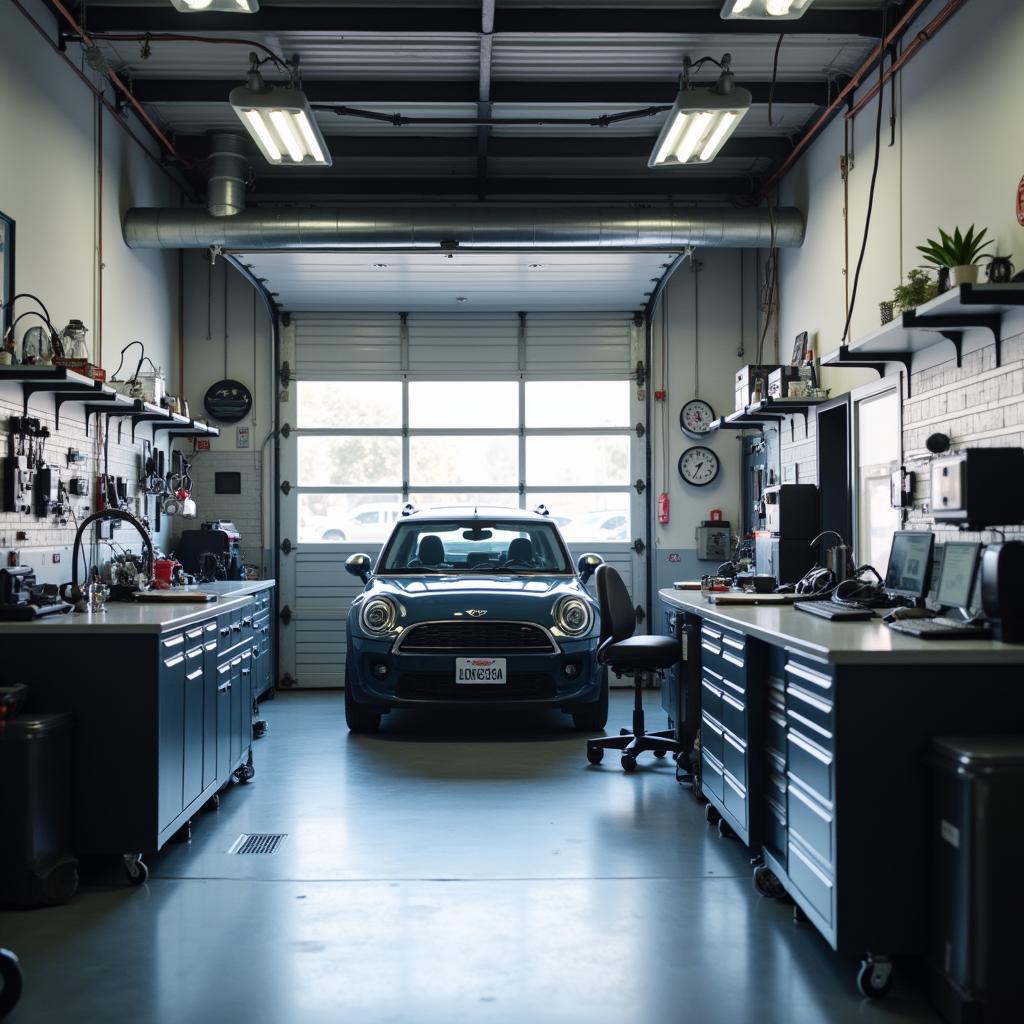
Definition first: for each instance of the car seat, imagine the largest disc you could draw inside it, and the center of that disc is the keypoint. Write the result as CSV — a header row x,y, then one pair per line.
x,y
521,551
431,550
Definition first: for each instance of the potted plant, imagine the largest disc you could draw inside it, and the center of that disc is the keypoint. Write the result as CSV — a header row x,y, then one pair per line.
x,y
918,289
958,252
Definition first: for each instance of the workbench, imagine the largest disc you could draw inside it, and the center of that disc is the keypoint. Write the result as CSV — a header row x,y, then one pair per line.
x,y
162,699
813,737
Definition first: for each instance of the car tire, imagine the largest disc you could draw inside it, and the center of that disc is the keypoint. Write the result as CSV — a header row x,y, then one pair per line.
x,y
593,717
362,718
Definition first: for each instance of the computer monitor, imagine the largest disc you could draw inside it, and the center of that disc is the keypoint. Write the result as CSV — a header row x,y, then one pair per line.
x,y
910,563
956,579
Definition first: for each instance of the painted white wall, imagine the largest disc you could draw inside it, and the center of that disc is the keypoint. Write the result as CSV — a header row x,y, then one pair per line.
x,y
49,185
706,315
958,158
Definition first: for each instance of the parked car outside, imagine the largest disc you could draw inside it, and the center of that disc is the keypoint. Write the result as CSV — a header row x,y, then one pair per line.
x,y
474,608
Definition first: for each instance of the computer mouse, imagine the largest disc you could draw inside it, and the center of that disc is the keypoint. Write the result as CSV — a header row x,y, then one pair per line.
x,y
908,613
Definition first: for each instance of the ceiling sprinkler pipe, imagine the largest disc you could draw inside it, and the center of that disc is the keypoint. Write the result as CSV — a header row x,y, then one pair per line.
x,y
384,228
228,169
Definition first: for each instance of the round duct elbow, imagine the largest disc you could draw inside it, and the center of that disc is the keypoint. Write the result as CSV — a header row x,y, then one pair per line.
x,y
227,173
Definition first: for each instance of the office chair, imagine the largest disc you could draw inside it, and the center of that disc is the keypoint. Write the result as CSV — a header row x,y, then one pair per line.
x,y
637,656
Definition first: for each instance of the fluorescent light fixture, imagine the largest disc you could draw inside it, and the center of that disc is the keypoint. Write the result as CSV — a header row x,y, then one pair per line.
x,y
774,10
220,6
700,121
281,123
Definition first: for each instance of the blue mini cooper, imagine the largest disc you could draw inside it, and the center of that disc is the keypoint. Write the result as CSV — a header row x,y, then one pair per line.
x,y
474,608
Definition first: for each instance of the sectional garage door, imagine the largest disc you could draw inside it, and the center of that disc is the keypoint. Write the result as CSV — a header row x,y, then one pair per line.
x,y
497,409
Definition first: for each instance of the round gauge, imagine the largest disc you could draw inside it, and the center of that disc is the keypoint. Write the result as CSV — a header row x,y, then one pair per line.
x,y
696,418
698,466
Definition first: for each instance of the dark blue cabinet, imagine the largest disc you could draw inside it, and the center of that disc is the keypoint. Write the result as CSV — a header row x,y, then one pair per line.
x,y
171,756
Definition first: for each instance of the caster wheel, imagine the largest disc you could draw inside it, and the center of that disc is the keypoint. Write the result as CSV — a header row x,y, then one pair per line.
x,y
135,869
767,884
10,981
660,753
711,815
213,804
874,978
628,763
595,755
246,773
184,834
259,729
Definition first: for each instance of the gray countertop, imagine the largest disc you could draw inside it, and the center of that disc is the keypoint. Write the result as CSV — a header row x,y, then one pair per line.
x,y
845,643
128,617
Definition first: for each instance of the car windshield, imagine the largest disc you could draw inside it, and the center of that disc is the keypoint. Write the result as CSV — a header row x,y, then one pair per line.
x,y
474,546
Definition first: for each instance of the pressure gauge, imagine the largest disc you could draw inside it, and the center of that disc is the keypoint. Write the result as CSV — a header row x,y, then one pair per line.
x,y
698,466
696,417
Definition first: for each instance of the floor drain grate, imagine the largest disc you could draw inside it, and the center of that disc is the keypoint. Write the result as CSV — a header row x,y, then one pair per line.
x,y
258,842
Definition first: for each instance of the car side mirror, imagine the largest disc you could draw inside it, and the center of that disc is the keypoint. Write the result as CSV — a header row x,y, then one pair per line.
x,y
587,565
359,565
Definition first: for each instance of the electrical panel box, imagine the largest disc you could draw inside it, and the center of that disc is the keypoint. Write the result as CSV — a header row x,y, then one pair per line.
x,y
18,484
47,490
979,487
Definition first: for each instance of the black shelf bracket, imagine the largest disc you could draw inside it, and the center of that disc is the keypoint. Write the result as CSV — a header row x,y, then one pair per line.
x,y
948,324
58,388
122,414
100,405
877,361
145,417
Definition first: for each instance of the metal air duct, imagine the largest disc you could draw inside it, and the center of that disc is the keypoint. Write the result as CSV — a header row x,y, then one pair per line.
x,y
383,228
225,190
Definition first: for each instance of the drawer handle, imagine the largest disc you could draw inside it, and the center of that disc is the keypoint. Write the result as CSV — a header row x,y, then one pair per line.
x,y
732,659
714,675
734,703
824,682
716,651
811,805
810,748
195,675
736,644
736,787
709,686
211,646
734,742
236,627
713,725
175,661
708,631
825,881
211,627
225,631
802,695
247,622
809,724
224,687
175,641
245,671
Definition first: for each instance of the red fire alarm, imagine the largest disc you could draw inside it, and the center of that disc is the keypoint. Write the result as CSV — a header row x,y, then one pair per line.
x,y
715,515
1020,202
659,396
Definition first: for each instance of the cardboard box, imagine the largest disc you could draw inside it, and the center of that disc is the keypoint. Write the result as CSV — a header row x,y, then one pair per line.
x,y
780,379
82,366
746,382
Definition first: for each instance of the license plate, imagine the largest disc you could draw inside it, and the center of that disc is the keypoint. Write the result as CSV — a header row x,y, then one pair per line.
x,y
474,671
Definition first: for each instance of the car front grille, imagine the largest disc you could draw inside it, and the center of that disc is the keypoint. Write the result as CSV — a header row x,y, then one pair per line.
x,y
475,637
442,686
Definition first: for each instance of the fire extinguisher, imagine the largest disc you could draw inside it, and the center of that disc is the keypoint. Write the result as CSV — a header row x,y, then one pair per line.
x,y
663,507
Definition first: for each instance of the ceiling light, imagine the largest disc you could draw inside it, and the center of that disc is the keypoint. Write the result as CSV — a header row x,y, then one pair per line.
x,y
461,298
760,9
280,121
700,120
536,266
222,6
380,266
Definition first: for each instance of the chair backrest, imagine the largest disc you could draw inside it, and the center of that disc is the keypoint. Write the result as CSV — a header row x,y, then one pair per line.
x,y
520,550
618,617
431,550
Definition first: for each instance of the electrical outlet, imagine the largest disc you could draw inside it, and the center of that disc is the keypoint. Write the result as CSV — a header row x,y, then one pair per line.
x,y
56,558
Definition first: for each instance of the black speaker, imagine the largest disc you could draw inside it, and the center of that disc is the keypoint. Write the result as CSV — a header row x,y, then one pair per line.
x,y
1002,589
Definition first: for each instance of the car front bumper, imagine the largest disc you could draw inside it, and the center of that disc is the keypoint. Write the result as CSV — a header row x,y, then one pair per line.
x,y
570,677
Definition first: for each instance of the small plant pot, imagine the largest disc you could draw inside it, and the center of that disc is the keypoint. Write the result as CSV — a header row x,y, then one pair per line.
x,y
886,311
964,274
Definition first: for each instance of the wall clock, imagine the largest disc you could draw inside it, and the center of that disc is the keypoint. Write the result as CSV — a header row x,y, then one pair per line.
x,y
698,466
227,401
696,417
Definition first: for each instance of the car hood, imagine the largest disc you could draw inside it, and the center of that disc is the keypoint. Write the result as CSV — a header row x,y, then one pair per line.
x,y
527,598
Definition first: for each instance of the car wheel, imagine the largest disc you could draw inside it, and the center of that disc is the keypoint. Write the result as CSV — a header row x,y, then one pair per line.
x,y
593,717
360,717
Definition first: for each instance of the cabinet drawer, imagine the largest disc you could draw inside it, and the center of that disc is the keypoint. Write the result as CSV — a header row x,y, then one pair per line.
x,y
811,822
711,737
734,648
817,680
734,716
735,758
775,788
809,764
813,883
711,778
736,800
775,733
774,827
811,713
710,697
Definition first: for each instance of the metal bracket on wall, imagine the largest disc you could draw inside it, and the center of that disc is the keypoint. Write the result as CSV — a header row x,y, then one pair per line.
x,y
956,324
285,615
286,431
285,487
100,404
285,374
639,546
640,430
878,361
640,486
146,417
60,391
286,546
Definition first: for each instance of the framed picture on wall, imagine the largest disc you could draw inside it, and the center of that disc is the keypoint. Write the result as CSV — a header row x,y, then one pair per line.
x,y
799,349
6,269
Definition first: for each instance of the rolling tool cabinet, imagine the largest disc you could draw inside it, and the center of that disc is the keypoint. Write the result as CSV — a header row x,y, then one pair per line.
x,y
814,738
162,701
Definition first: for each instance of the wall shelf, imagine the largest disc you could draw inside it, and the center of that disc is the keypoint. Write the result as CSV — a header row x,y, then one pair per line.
x,y
64,384
946,318
768,410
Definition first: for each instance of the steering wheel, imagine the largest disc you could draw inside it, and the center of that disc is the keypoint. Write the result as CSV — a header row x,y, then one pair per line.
x,y
515,561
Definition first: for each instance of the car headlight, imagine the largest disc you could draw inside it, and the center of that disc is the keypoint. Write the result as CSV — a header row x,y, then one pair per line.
x,y
378,615
573,616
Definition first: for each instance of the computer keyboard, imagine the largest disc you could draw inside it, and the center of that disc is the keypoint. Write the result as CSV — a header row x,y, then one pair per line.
x,y
833,610
941,628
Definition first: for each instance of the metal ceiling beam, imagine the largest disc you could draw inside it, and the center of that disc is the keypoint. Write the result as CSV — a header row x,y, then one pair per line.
x,y
399,145
293,186
611,93
435,20
483,106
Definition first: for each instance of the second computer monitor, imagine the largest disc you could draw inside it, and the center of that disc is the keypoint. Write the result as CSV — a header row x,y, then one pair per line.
x,y
956,578
910,563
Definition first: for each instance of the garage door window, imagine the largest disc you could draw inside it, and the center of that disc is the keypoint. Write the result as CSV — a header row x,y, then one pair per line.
x,y
367,447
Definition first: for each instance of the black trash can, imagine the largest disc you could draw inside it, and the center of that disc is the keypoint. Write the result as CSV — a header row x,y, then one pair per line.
x,y
37,867
977,824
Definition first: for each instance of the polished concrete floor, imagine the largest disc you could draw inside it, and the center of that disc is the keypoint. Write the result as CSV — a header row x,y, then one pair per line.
x,y
438,873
